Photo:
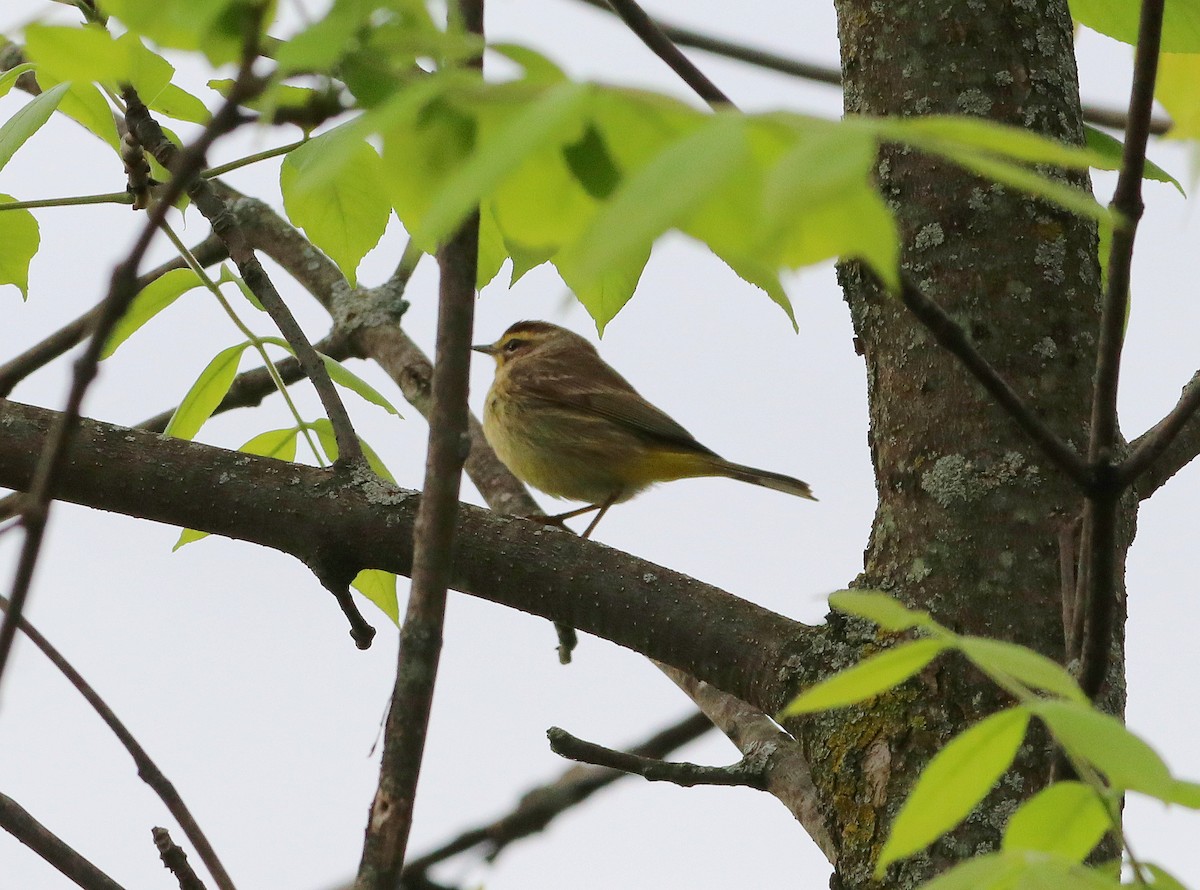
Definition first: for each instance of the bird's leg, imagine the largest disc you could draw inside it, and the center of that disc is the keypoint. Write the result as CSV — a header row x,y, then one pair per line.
x,y
587,533
557,518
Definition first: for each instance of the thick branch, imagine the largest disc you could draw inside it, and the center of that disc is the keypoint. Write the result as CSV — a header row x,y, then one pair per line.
x,y
735,645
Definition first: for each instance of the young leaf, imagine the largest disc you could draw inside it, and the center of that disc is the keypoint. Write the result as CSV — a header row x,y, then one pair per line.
x,y
1180,27
659,195
380,588
187,536
1022,664
954,782
342,207
151,300
1027,180
206,393
324,430
1067,819
343,376
28,120
1161,879
869,677
950,134
279,444
20,237
554,116
1104,742
1177,89
9,78
1112,149
877,606
991,870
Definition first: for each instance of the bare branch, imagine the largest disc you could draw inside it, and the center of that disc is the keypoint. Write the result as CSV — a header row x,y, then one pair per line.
x,y
829,74
16,820
433,542
746,772
744,649
1101,513
122,290
660,44
208,252
1167,447
538,807
175,860
214,208
147,769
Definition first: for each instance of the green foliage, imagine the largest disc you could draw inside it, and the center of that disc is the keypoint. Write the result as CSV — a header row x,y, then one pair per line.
x,y
1048,836
333,189
206,393
380,588
151,300
954,782
28,120
1119,19
20,237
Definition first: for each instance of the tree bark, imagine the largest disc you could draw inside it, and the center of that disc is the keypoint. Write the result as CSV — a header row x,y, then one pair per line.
x,y
969,515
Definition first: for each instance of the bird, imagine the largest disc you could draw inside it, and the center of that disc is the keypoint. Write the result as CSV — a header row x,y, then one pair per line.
x,y
564,421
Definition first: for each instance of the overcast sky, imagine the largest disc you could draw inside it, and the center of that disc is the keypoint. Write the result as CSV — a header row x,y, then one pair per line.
x,y
235,670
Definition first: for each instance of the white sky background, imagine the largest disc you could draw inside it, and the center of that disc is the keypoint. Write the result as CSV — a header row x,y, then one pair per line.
x,y
234,668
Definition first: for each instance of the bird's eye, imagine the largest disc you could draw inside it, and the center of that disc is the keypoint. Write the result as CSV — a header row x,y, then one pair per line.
x,y
513,345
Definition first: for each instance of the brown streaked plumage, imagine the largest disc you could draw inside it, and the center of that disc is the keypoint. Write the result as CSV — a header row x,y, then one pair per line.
x,y
566,423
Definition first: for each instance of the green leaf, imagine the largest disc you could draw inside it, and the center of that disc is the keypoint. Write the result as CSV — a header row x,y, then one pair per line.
x,y
216,27
1027,180
869,677
85,54
1119,20
877,606
187,536
343,376
991,871
9,78
28,120
380,588
343,207
660,195
1022,664
1178,91
86,105
954,782
950,134
20,237
228,276
605,294
1067,819
536,67
279,444
1112,149
206,393
1162,879
1102,740
151,300
324,430
1184,793
551,118
178,103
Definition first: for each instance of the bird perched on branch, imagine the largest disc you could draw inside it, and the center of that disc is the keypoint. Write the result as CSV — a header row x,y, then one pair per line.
x,y
562,420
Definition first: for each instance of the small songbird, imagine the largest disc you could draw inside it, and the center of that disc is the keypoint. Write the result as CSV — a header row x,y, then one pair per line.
x,y
562,420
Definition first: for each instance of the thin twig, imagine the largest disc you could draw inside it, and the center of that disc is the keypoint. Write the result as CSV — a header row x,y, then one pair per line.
x,y
1103,441
70,201
1147,467
660,44
954,339
216,211
208,252
122,290
744,773
829,74
175,860
433,540
539,806
147,769
17,821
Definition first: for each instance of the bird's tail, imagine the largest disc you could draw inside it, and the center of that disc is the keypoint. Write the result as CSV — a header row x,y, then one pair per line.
x,y
766,479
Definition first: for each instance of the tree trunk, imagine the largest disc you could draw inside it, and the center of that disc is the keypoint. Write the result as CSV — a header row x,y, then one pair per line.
x,y
970,513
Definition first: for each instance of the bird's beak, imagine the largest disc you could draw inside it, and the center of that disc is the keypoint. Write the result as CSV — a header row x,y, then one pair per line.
x,y
485,348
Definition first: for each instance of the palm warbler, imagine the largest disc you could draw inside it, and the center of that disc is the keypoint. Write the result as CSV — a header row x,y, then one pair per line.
x,y
566,423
